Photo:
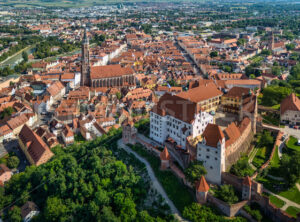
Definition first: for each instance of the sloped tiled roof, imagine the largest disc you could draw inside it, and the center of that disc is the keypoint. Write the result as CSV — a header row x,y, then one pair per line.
x,y
201,185
201,93
36,147
164,155
98,72
212,134
292,102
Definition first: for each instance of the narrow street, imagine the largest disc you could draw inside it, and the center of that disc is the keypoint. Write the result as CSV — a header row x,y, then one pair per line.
x,y
188,59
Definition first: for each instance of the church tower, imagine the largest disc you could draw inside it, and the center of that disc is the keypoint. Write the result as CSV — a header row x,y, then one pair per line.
x,y
85,61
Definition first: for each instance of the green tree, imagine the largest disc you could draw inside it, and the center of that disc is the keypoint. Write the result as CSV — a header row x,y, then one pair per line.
x,y
266,139
241,41
227,194
194,171
241,168
14,214
291,167
6,112
25,56
290,46
118,95
13,162
213,54
55,210
273,95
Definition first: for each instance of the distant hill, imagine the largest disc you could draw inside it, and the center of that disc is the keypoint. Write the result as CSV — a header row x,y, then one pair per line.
x,y
71,3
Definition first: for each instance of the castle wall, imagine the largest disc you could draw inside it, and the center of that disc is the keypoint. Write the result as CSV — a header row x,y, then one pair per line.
x,y
228,210
234,151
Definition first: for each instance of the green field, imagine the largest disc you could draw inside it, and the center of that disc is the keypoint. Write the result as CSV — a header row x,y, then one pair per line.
x,y
292,144
276,201
293,211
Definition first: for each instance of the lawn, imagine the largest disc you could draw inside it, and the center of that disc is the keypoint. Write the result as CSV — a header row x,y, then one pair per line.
x,y
260,157
279,188
292,194
276,201
175,189
275,161
275,164
293,211
292,144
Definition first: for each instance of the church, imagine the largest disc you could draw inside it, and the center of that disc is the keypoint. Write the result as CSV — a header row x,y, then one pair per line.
x,y
103,76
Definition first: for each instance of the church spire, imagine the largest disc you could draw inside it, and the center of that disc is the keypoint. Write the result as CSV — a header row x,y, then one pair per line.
x,y
85,61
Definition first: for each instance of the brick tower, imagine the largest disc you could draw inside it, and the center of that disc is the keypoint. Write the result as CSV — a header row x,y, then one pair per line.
x,y
202,189
165,159
85,61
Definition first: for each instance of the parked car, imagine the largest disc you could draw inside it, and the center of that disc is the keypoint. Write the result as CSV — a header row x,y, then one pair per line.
x,y
296,127
298,143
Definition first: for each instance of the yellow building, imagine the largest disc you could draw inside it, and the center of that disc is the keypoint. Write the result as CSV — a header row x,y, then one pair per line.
x,y
231,101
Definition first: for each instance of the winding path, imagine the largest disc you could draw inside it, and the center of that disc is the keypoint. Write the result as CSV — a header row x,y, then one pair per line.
x,y
287,201
154,180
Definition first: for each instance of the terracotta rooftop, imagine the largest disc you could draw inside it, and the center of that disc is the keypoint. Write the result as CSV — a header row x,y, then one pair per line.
x,y
212,135
36,147
292,102
247,181
98,72
201,185
237,92
177,107
164,155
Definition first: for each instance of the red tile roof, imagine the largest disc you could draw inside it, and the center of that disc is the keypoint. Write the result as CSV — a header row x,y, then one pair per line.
x,y
247,181
292,102
201,93
213,134
35,146
201,185
98,72
164,155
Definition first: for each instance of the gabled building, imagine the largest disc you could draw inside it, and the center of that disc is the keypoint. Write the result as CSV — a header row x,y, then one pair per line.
x,y
208,96
29,210
290,110
35,149
67,135
211,152
177,118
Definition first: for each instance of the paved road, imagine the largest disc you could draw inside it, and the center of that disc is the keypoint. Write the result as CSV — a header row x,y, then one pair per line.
x,y
154,180
285,130
5,148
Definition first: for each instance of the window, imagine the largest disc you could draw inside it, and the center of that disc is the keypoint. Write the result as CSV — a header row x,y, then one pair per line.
x,y
216,158
207,157
211,167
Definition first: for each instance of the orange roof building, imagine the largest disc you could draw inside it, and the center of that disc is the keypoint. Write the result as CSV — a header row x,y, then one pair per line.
x,y
35,149
290,110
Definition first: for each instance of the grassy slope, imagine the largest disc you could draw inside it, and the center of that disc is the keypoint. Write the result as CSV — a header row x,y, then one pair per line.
x,y
174,188
276,201
293,211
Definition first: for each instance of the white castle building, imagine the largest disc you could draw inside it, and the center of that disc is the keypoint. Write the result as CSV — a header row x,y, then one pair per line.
x,y
177,118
